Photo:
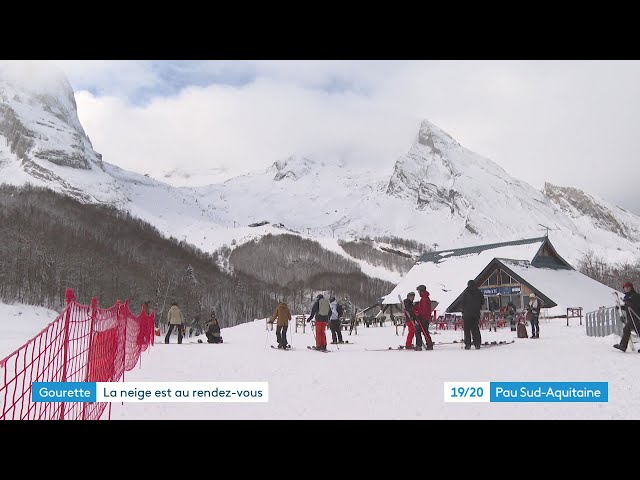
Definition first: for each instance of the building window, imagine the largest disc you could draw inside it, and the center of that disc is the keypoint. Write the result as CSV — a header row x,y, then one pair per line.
x,y
517,301
506,279
493,279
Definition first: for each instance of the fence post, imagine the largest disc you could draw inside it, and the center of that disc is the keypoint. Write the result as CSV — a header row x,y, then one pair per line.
x,y
93,310
600,323
69,298
124,346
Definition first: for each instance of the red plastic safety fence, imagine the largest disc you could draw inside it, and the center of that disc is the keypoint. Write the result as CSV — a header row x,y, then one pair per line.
x,y
83,344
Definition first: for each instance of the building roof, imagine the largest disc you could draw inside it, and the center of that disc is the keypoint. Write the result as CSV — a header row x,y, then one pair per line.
x,y
567,288
457,252
445,273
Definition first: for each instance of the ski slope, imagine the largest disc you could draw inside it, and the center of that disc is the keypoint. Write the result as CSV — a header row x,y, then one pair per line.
x,y
352,383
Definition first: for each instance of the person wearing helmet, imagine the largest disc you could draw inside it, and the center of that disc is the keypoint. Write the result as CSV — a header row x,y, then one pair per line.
x,y
410,318
533,314
423,315
314,308
320,311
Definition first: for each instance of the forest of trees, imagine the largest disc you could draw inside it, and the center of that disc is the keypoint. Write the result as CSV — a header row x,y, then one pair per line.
x,y
296,269
51,242
611,274
402,243
364,249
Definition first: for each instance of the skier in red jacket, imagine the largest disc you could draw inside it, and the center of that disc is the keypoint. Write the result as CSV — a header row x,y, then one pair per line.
x,y
423,314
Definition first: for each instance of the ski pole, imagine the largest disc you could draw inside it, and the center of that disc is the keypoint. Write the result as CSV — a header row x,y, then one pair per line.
x,y
426,336
313,330
425,333
635,326
631,312
406,316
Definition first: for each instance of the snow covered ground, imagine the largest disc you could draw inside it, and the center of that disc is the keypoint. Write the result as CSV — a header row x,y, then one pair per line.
x,y
19,323
353,383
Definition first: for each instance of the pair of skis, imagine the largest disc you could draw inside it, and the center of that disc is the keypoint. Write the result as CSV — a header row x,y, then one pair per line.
x,y
404,348
317,350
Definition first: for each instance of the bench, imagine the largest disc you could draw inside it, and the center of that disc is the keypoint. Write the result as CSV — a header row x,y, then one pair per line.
x,y
301,321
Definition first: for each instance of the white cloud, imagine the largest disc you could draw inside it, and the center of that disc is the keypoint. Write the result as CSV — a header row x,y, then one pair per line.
x,y
243,128
572,123
110,77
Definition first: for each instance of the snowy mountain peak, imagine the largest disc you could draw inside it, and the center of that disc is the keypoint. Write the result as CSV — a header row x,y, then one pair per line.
x,y
37,79
430,171
39,120
434,138
439,192
294,168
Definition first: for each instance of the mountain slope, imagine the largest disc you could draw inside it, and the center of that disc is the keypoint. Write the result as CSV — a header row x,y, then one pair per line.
x,y
39,120
439,193
592,213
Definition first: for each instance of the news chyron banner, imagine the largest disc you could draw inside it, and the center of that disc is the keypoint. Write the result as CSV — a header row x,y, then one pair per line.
x,y
558,392
150,392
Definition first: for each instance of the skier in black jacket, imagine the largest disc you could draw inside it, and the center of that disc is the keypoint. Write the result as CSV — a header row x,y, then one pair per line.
x,y
410,318
472,301
315,307
632,308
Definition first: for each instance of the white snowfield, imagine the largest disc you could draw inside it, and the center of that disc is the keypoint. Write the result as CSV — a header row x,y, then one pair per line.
x,y
352,383
19,323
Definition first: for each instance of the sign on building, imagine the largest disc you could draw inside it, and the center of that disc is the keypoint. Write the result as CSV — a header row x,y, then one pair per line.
x,y
500,290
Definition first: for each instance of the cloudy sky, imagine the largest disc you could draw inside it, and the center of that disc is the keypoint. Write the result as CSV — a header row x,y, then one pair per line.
x,y
572,123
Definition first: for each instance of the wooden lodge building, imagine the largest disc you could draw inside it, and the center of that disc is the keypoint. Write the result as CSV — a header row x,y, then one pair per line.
x,y
506,271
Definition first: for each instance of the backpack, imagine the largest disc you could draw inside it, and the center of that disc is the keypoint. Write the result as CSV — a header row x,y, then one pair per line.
x,y
522,331
340,310
324,307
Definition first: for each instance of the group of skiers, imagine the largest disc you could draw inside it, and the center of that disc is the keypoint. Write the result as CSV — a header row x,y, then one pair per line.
x,y
417,317
175,319
325,312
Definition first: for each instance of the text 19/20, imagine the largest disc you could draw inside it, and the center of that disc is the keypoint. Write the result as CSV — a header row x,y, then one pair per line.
x,y
467,392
